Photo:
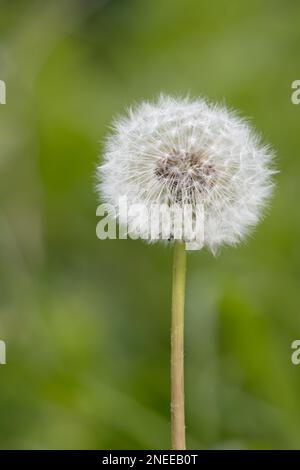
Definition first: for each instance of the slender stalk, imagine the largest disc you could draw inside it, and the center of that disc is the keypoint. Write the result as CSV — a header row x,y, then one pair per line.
x,y
177,348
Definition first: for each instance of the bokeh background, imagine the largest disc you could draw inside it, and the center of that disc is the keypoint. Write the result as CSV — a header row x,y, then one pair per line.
x,y
86,322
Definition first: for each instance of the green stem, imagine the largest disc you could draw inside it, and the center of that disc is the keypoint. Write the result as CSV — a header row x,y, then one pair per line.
x,y
177,348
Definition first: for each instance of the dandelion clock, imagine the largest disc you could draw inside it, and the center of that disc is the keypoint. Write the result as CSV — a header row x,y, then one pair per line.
x,y
192,174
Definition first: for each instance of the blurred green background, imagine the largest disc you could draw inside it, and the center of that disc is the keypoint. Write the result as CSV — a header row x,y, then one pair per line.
x,y
86,322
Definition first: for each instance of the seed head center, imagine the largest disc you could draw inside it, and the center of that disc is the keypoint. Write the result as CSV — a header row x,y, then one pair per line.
x,y
185,173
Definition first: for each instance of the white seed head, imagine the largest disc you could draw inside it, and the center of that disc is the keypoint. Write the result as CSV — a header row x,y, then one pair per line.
x,y
182,151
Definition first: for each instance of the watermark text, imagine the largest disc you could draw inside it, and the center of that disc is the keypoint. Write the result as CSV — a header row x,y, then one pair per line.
x,y
295,96
2,92
2,352
152,222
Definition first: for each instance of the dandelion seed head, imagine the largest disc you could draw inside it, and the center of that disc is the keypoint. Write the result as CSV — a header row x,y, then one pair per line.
x,y
183,151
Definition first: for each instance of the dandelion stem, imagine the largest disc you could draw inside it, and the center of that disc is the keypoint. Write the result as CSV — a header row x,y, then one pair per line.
x,y
177,346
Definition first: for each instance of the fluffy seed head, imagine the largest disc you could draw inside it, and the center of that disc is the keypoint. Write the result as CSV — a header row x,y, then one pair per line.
x,y
181,151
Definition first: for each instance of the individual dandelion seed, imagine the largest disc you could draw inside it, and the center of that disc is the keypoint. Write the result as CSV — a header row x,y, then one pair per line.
x,y
178,152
